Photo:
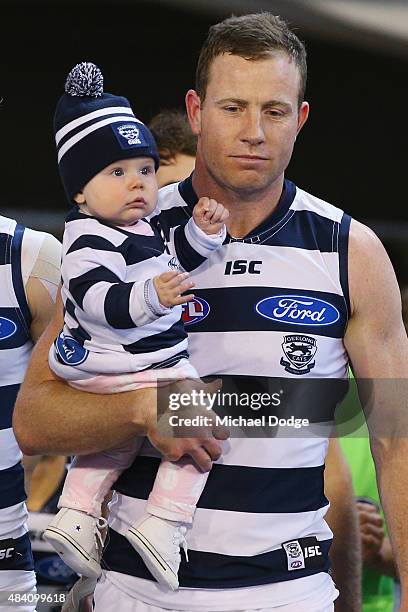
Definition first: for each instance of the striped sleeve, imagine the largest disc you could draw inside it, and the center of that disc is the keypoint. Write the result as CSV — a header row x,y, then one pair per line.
x,y
192,246
93,271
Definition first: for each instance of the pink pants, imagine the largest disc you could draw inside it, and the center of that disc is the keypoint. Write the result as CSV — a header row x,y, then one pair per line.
x,y
177,487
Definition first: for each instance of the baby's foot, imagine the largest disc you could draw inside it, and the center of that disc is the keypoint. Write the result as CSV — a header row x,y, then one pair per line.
x,y
158,542
77,538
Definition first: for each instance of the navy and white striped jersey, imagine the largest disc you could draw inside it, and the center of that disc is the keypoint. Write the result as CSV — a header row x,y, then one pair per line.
x,y
15,349
273,304
113,320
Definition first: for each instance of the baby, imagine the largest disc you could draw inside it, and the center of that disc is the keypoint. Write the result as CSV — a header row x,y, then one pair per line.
x,y
122,291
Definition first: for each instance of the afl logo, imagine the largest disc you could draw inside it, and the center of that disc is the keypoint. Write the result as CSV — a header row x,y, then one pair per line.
x,y
70,351
296,564
298,310
195,311
7,328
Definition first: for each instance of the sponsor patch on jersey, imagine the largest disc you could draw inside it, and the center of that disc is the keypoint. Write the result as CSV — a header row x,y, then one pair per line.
x,y
195,311
70,351
7,328
128,135
299,351
294,555
304,553
298,310
7,550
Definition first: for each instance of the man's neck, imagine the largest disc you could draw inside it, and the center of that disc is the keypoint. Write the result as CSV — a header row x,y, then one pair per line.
x,y
246,210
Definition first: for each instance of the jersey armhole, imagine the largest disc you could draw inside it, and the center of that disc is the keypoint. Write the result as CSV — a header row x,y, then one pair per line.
x,y
343,243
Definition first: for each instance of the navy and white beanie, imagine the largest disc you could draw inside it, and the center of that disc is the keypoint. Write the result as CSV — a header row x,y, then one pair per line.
x,y
93,129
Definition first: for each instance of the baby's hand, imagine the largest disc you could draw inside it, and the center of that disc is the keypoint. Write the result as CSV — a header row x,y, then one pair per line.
x,y
210,215
170,286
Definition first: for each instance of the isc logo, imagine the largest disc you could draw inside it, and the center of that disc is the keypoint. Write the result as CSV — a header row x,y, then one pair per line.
x,y
6,553
242,266
312,551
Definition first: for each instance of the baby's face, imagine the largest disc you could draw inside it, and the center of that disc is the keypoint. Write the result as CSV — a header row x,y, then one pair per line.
x,y
122,193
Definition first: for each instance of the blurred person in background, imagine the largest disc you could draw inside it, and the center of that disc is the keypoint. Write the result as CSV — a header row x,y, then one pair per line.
x,y
379,568
176,144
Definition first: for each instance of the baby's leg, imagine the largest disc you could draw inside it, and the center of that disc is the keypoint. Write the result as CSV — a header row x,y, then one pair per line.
x,y
176,491
91,476
77,532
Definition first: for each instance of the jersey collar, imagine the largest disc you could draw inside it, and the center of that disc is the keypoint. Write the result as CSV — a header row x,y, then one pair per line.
x,y
190,197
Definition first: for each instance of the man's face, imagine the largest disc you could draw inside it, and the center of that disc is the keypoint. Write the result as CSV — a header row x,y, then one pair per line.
x,y
249,120
175,169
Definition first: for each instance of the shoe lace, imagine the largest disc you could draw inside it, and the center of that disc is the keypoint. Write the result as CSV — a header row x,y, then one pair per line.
x,y
100,524
179,540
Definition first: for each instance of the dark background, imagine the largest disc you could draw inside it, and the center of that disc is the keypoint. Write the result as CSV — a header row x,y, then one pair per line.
x,y
351,152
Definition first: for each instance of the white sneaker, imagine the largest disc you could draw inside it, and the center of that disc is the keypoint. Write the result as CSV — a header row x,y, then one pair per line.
x,y
77,538
158,542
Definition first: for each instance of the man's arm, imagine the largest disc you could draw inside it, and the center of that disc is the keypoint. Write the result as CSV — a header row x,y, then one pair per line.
x,y
378,348
342,517
52,418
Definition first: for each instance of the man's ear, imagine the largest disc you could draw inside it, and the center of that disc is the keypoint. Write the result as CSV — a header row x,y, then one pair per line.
x,y
193,107
303,115
79,198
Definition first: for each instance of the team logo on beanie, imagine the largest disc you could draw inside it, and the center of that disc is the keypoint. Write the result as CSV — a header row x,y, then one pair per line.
x,y
128,135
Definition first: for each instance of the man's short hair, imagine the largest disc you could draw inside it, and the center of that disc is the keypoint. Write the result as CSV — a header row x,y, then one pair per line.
x,y
252,37
173,134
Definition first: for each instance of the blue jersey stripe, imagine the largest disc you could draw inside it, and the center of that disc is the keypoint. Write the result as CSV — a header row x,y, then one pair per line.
x,y
5,252
210,570
165,339
8,398
235,309
343,239
258,490
79,285
179,215
117,304
187,256
18,278
12,486
91,241
22,558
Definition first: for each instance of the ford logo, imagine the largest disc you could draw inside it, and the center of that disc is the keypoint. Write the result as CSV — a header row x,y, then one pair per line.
x,y
298,310
195,311
7,328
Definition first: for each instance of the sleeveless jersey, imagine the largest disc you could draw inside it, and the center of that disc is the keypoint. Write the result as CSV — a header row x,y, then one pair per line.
x,y
274,304
15,350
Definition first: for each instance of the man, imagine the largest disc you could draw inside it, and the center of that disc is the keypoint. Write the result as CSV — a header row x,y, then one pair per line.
x,y
261,514
29,268
176,144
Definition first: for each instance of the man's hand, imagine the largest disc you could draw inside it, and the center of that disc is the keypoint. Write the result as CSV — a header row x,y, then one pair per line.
x,y
376,547
201,442
210,215
372,532
170,286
